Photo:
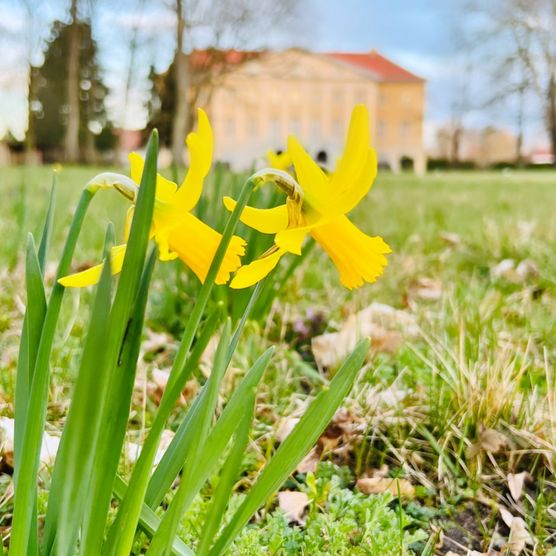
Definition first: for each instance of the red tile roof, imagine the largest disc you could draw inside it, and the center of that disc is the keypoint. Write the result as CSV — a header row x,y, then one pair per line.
x,y
382,69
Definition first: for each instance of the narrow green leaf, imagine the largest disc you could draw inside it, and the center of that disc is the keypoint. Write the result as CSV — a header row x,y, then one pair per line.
x,y
228,476
158,482
48,224
77,448
122,531
295,446
119,323
150,521
26,486
162,541
116,414
32,328
219,436
170,465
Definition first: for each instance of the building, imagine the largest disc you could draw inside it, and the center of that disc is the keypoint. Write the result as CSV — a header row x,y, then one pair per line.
x,y
256,104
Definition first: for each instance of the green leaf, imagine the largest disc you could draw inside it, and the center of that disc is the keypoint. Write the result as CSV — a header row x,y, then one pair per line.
x,y
47,228
228,476
224,429
114,424
295,446
150,521
161,542
172,460
114,408
33,427
122,531
77,447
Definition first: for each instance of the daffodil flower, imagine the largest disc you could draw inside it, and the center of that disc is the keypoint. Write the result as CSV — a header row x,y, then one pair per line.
x,y
279,161
178,233
320,211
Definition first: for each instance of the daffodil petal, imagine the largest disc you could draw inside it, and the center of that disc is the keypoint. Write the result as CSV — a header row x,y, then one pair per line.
x,y
348,199
291,239
200,145
358,257
92,275
128,220
165,188
266,221
280,161
136,165
195,244
358,143
314,182
254,272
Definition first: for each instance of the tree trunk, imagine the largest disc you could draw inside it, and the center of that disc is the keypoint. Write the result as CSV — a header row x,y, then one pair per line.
x,y
71,139
30,134
519,125
180,121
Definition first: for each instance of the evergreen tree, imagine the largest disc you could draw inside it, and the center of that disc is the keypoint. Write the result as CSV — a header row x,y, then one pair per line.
x,y
49,105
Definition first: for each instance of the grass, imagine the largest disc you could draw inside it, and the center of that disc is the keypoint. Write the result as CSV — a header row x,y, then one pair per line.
x,y
455,409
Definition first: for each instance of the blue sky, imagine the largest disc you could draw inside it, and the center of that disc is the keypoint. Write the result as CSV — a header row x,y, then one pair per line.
x,y
422,35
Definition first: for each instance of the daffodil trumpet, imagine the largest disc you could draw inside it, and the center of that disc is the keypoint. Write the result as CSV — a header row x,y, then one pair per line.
x,y
319,209
177,232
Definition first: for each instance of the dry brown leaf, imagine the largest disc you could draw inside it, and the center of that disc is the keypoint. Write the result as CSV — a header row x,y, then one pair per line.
x,y
309,463
293,504
450,238
516,482
519,536
377,485
386,326
49,445
490,440
133,450
285,426
426,289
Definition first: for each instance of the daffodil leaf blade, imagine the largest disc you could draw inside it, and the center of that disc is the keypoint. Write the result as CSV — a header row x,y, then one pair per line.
x,y
228,475
77,446
295,446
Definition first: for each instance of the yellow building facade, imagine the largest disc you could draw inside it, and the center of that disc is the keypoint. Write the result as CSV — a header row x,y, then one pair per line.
x,y
257,104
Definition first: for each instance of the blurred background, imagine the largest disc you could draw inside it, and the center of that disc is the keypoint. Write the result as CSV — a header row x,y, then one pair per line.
x,y
459,84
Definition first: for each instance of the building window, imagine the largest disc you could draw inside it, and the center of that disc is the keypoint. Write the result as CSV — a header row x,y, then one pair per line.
x,y
406,97
338,96
383,99
336,127
404,129
381,129
360,96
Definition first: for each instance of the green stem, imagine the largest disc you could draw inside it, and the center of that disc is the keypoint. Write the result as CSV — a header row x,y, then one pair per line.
x,y
122,532
26,488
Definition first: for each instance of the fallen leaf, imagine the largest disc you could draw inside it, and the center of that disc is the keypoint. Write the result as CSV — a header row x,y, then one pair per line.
x,y
516,482
519,536
504,269
490,440
450,238
285,426
309,463
527,270
133,450
293,504
426,289
387,327
377,485
49,445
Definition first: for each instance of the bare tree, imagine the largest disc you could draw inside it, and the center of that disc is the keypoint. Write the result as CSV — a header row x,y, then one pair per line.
x,y
224,24
519,37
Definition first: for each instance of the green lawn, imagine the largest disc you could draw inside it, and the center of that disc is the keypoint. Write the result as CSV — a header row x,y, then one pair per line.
x,y
453,407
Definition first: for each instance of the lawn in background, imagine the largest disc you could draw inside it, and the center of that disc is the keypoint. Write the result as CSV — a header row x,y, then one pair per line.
x,y
455,409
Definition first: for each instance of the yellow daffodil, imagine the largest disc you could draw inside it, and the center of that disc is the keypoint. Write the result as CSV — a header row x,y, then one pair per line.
x,y
177,232
280,161
321,213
